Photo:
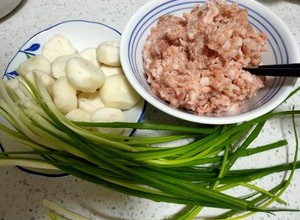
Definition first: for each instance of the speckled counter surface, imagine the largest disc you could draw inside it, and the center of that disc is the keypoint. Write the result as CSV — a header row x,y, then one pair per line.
x,y
21,194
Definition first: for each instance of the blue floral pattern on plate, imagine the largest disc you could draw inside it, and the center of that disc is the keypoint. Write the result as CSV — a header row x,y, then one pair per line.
x,y
28,52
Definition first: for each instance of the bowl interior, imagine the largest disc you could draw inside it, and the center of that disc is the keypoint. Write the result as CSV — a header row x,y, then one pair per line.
x,y
281,49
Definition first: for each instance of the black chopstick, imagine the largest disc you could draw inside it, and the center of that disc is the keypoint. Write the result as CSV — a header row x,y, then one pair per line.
x,y
284,70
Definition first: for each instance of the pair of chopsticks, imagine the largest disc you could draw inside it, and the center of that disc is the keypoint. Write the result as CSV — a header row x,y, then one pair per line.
x,y
284,70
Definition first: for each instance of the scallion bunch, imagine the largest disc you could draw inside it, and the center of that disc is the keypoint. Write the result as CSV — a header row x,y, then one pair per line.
x,y
196,173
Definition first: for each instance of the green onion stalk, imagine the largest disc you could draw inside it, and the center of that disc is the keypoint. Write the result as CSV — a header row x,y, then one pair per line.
x,y
196,173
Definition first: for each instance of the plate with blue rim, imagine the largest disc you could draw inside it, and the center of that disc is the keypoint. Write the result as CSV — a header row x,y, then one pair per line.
x,y
82,34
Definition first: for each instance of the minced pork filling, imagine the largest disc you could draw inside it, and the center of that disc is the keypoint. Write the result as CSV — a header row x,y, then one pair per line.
x,y
195,62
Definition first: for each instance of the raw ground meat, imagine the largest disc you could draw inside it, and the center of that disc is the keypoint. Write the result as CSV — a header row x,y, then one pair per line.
x,y
195,62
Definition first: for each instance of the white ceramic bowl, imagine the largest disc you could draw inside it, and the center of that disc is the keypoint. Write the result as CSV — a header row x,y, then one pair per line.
x,y
7,6
281,44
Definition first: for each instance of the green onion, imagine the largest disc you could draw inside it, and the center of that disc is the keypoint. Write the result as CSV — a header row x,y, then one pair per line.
x,y
189,165
60,212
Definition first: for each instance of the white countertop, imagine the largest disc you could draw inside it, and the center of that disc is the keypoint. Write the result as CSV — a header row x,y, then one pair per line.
x,y
21,194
